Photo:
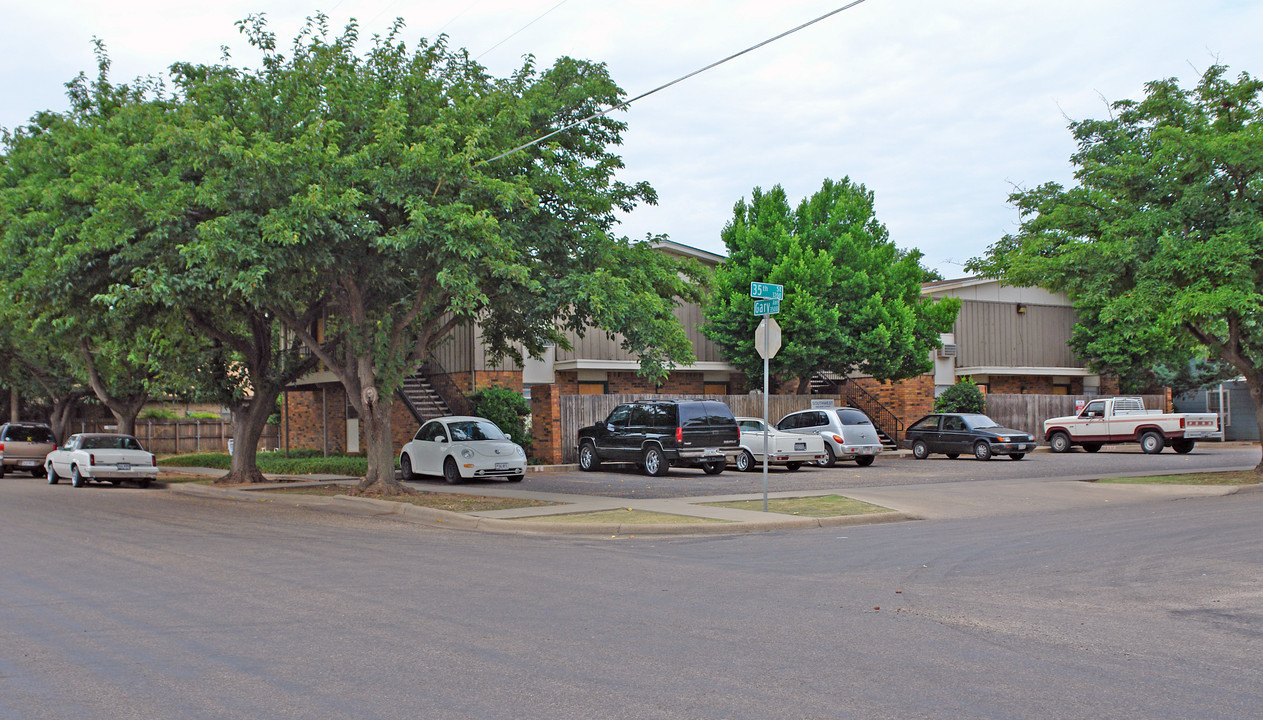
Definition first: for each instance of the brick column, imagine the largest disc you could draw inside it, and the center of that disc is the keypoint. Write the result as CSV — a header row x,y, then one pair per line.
x,y
546,424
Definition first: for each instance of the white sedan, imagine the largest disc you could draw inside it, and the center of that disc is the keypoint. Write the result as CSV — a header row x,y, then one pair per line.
x,y
101,456
793,450
462,447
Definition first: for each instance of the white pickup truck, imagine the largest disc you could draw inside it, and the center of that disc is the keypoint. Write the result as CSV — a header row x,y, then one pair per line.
x,y
1125,420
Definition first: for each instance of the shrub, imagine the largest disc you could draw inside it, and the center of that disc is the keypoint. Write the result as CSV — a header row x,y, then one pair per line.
x,y
158,414
506,408
199,415
963,397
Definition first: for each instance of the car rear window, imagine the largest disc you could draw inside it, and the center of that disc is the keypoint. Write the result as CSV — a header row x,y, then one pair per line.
x,y
112,442
28,434
853,417
706,413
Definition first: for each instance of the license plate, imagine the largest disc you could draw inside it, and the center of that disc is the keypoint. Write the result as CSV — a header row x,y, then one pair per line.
x,y
124,466
502,466
800,446
28,463
714,451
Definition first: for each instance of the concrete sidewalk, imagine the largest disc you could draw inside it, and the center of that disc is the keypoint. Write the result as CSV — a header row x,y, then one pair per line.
x,y
930,501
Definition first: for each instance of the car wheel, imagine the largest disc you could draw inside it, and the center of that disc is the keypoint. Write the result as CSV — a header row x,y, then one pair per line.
x,y
1059,442
654,462
516,478
451,473
793,466
53,477
920,450
1092,447
952,456
745,461
76,480
1016,456
982,451
864,460
829,457
714,468
588,459
1182,447
1151,443
405,468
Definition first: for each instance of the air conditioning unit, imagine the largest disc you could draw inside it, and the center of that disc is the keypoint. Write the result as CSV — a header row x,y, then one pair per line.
x,y
948,350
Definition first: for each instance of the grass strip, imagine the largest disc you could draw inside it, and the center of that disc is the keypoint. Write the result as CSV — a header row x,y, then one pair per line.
x,y
623,516
454,502
813,506
1237,477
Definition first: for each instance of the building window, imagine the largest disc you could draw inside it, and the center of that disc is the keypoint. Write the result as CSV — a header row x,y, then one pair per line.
x,y
589,387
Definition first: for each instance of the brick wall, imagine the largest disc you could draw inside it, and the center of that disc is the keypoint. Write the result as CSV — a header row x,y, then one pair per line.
x,y
306,426
511,379
546,424
908,399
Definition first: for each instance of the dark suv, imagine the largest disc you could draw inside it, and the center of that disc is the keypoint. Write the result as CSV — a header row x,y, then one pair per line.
x,y
656,434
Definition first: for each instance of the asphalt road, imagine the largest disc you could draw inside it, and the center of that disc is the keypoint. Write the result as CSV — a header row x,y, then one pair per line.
x,y
127,603
627,481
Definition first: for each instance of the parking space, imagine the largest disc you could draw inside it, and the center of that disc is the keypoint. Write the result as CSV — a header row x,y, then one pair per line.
x,y
889,470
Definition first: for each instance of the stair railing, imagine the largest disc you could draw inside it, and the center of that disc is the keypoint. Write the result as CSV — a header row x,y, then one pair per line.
x,y
445,386
883,417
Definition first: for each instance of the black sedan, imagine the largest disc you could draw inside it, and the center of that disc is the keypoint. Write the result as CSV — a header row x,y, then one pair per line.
x,y
955,434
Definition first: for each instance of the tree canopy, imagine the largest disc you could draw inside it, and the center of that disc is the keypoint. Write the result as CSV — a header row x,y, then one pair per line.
x,y
1160,245
852,299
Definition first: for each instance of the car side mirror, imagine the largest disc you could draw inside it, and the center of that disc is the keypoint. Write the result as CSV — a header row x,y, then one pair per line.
x,y
508,436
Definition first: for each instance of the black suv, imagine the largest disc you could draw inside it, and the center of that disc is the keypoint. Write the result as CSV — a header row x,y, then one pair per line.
x,y
656,434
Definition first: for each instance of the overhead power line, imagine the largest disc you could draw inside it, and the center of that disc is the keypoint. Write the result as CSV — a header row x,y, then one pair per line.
x,y
676,81
493,47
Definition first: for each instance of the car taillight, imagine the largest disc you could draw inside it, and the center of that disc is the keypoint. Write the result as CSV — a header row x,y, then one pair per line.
x,y
153,459
1,447
1181,423
679,434
838,440
91,459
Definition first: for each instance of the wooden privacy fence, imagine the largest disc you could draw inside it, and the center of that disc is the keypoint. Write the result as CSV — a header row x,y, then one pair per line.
x,y
178,437
1028,412
579,411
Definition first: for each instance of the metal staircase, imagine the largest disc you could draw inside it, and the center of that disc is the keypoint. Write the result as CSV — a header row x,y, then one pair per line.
x,y
888,425
422,400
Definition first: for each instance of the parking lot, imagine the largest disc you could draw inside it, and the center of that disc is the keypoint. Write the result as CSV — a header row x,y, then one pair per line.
x,y
889,470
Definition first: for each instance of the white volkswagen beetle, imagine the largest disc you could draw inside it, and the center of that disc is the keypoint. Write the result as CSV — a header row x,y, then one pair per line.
x,y
101,456
462,447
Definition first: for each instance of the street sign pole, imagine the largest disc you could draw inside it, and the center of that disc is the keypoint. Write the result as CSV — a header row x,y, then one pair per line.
x,y
767,342
767,302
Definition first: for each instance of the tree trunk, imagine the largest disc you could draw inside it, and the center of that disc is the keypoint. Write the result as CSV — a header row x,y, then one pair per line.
x,y
249,419
804,386
379,447
125,413
60,416
1255,383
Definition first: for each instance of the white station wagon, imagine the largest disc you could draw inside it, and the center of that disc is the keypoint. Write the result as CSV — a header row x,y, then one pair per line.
x,y
102,457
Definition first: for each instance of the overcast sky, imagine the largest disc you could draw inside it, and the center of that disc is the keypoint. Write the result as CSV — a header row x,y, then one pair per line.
x,y
939,107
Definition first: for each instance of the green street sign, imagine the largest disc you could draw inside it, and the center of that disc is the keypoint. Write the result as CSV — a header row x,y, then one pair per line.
x,y
767,291
767,307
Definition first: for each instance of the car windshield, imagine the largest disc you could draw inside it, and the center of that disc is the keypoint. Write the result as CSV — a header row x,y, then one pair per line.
x,y
110,442
466,430
978,422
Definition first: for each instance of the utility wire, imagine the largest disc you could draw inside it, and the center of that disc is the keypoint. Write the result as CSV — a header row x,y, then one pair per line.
x,y
681,79
493,47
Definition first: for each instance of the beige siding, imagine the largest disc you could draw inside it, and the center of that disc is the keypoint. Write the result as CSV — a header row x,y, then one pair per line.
x,y
596,345
993,334
463,351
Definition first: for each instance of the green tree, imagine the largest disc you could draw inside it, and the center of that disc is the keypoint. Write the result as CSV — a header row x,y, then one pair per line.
x,y
852,299
505,407
368,182
963,397
1160,245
